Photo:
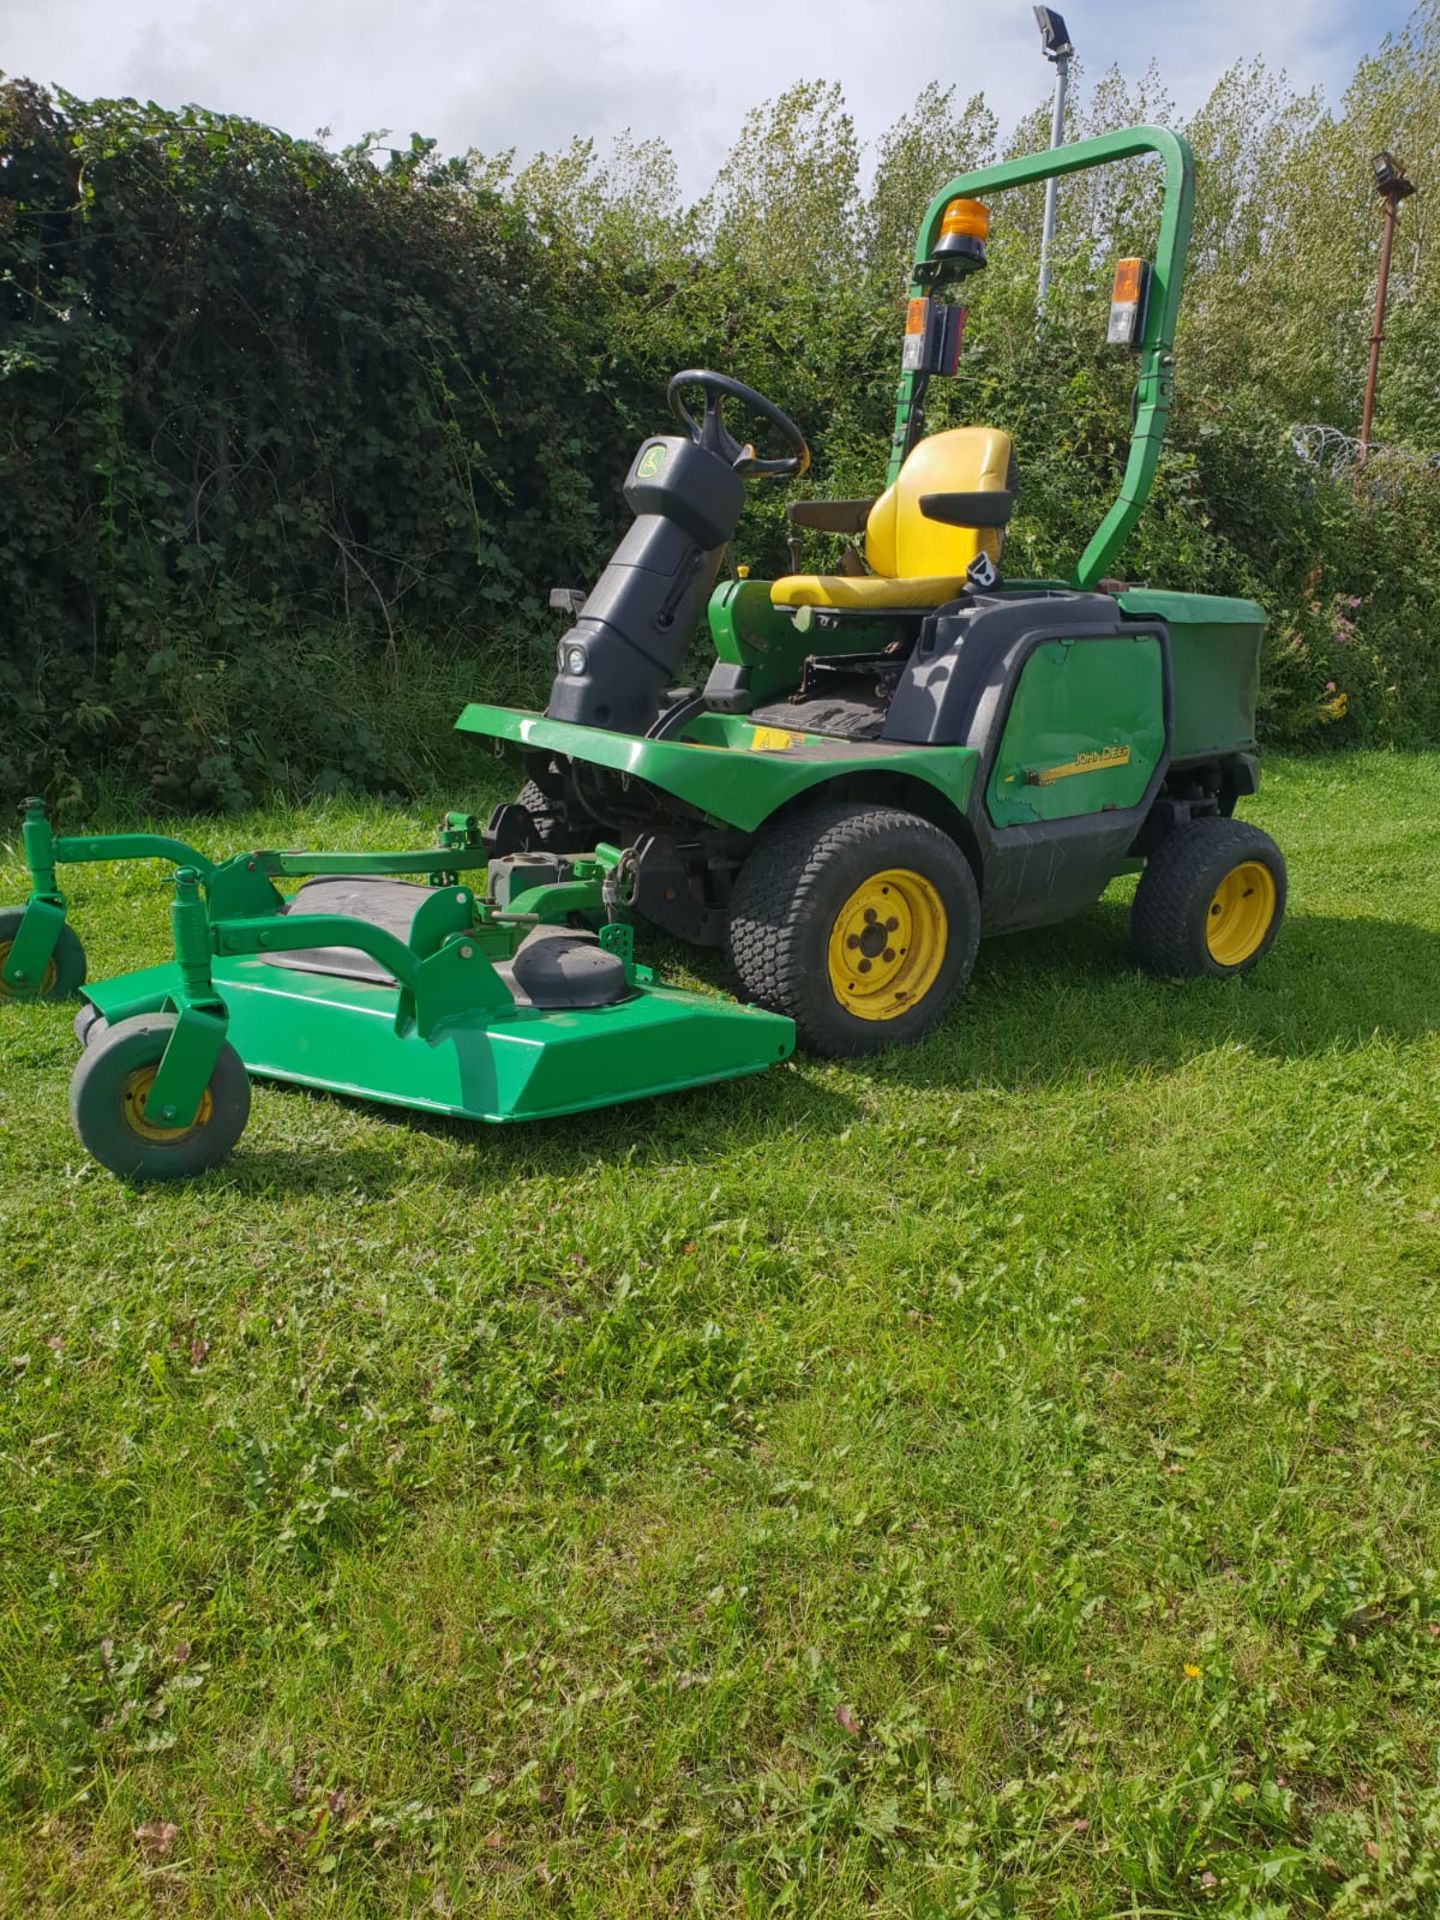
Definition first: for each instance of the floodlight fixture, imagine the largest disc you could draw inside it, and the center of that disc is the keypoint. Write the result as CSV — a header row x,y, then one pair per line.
x,y
1054,39
1057,47
1393,185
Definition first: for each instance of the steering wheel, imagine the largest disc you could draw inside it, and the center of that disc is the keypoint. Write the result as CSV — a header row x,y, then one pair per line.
x,y
710,430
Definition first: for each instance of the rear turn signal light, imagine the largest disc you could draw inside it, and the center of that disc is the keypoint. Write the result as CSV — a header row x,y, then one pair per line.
x,y
933,332
1127,302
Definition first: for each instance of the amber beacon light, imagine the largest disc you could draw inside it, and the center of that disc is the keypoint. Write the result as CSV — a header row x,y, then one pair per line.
x,y
964,229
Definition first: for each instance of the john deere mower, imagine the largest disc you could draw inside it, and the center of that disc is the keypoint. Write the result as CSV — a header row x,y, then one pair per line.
x,y
887,761
894,757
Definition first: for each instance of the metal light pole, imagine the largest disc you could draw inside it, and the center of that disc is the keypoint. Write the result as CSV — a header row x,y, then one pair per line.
x,y
1056,46
1393,187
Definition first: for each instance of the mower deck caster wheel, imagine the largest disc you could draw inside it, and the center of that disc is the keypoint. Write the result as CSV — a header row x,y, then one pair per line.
x,y
107,1104
90,1023
65,973
1209,902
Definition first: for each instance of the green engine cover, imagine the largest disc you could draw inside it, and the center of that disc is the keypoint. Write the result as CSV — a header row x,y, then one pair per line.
x,y
1214,665
1085,731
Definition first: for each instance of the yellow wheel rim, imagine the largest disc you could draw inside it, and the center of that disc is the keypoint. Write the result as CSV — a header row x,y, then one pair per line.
x,y
136,1092
887,945
1240,914
47,985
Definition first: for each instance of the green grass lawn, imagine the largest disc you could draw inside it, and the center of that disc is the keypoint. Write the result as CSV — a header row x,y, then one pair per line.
x,y
1002,1478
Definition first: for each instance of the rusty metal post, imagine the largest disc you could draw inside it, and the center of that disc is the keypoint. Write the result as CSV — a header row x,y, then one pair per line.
x,y
1377,327
1393,185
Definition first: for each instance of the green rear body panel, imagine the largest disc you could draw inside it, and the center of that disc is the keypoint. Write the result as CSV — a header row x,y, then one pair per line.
x,y
728,767
498,1065
1085,731
1215,665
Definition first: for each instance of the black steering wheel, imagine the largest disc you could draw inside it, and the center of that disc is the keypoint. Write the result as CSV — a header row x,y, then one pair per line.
x,y
710,431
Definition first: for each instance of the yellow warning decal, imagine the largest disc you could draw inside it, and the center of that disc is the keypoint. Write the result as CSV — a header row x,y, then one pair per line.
x,y
771,740
1091,762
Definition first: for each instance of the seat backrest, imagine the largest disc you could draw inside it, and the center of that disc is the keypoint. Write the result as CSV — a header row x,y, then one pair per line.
x,y
900,542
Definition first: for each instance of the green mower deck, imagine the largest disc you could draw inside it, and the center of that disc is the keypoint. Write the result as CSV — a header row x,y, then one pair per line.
x,y
340,1036
385,978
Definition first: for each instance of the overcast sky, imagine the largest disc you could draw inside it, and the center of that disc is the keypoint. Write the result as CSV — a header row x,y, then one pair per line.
x,y
531,74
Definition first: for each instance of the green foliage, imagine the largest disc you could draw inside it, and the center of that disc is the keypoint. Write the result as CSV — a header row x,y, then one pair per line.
x,y
262,405
786,203
294,442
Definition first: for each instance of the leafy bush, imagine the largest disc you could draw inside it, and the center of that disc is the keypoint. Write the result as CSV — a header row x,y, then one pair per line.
x,y
267,411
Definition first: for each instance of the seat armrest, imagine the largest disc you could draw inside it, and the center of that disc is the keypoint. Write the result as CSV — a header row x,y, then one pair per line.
x,y
972,511
829,516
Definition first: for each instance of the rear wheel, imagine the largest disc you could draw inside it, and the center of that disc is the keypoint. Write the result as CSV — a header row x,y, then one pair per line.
x,y
109,1089
64,974
1210,901
860,922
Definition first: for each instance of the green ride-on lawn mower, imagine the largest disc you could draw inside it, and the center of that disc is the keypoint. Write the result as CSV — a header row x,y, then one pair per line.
x,y
886,762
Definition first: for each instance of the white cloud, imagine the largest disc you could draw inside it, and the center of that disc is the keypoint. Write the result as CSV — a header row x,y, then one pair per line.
x,y
532,73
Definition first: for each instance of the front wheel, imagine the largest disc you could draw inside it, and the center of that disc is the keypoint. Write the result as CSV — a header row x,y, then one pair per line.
x,y
107,1104
860,922
1210,900
64,973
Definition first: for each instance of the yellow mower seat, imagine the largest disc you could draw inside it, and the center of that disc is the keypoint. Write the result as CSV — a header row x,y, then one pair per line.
x,y
915,562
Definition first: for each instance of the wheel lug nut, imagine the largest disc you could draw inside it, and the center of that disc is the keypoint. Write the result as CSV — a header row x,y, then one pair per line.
x,y
853,941
864,966
889,954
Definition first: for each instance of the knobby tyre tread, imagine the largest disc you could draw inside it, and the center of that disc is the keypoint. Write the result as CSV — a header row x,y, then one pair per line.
x,y
775,941
1167,920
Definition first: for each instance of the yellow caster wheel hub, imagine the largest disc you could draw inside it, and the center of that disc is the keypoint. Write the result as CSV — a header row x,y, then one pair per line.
x,y
47,985
137,1091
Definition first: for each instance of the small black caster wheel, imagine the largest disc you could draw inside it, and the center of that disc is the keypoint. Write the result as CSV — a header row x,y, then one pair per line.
x,y
64,975
107,1104
90,1023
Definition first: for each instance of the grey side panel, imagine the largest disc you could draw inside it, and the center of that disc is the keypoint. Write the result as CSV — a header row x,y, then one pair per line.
x,y
1035,875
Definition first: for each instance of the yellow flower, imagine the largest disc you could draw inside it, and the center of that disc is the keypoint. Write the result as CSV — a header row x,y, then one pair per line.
x,y
1191,1673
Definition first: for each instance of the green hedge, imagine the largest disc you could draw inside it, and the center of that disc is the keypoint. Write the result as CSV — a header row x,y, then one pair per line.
x,y
268,416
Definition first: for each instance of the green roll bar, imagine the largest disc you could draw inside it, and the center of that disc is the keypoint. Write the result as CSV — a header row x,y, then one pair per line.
x,y
1155,383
